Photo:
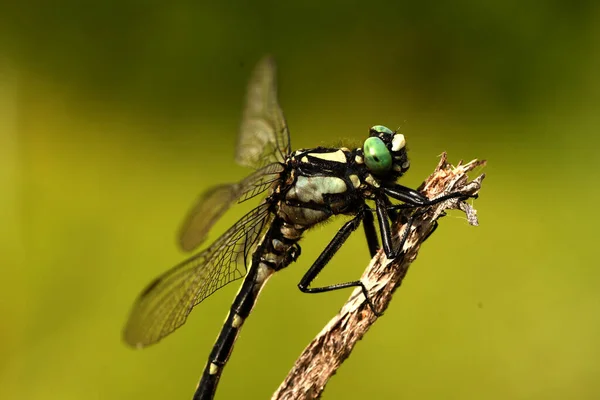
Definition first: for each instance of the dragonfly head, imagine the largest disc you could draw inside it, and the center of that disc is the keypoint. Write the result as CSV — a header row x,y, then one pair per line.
x,y
385,152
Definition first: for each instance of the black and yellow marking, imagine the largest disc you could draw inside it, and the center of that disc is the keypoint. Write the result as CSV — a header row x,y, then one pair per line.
x,y
305,188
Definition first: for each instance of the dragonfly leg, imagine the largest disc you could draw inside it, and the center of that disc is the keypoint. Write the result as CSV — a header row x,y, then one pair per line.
x,y
369,225
412,199
384,226
370,233
408,224
435,226
391,210
333,246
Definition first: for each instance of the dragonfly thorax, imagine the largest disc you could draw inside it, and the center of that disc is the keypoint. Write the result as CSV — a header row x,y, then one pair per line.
x,y
304,187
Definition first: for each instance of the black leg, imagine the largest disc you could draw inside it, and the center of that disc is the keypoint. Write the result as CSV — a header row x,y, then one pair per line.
x,y
391,209
413,199
333,246
369,225
370,233
408,224
435,226
384,227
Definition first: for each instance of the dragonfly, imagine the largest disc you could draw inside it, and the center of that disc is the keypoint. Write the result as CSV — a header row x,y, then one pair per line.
x,y
303,188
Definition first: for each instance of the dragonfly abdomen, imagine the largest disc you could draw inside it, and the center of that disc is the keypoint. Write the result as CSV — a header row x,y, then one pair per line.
x,y
274,252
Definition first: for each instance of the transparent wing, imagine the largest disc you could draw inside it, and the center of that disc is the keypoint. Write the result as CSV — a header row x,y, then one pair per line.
x,y
264,136
165,304
213,203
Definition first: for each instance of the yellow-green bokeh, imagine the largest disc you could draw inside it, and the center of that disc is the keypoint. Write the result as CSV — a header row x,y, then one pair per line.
x,y
115,116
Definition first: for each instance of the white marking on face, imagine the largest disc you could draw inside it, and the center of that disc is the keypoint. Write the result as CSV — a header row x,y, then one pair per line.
x,y
372,181
406,164
213,369
358,159
237,321
337,156
398,142
355,180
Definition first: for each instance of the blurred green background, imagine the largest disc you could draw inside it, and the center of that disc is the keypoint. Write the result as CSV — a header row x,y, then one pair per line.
x,y
114,116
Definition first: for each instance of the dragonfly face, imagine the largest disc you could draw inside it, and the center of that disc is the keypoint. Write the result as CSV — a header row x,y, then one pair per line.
x,y
385,152
304,187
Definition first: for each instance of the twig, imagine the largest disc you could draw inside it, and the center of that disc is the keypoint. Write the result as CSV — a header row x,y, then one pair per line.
x,y
323,356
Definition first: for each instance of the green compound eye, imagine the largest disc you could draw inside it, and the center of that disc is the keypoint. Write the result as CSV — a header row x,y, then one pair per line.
x,y
381,129
377,156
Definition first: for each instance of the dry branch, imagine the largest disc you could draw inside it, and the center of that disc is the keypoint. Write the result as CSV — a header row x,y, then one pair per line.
x,y
323,356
